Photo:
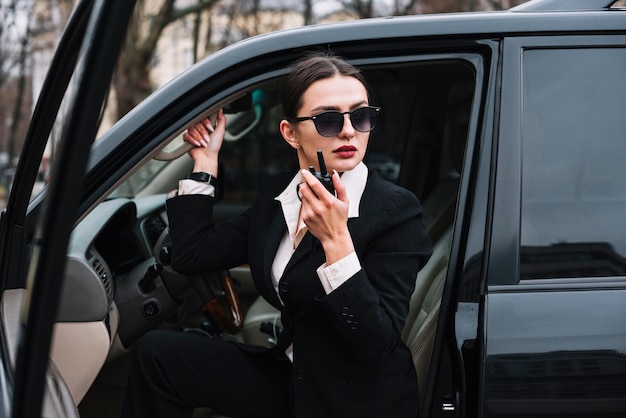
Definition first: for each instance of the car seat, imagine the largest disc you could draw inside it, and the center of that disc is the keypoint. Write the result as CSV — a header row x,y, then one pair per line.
x,y
439,214
420,326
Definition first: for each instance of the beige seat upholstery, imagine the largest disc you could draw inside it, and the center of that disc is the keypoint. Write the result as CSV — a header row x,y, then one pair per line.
x,y
260,311
440,205
426,279
419,329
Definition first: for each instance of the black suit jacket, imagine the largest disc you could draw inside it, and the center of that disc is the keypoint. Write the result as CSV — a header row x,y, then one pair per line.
x,y
349,360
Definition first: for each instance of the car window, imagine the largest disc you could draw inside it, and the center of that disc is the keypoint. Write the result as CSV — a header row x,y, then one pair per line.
x,y
418,142
574,163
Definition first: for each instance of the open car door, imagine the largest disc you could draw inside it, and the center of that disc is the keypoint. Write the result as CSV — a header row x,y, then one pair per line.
x,y
34,233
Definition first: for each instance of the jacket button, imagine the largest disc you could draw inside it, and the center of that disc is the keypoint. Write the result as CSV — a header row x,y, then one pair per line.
x,y
300,374
345,310
283,286
352,323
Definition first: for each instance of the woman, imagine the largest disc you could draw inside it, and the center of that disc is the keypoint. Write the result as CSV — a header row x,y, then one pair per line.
x,y
340,268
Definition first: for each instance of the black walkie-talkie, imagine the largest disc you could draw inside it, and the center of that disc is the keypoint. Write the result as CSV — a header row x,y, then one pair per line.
x,y
322,175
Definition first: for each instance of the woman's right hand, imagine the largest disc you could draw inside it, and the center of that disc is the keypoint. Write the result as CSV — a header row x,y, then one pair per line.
x,y
326,215
207,141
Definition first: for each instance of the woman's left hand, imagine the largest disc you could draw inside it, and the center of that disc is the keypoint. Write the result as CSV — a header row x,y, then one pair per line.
x,y
326,216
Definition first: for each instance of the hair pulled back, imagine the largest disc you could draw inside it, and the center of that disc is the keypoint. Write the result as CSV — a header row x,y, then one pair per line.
x,y
309,69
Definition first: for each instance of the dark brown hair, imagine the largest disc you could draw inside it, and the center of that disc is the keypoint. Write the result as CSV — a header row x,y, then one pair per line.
x,y
309,69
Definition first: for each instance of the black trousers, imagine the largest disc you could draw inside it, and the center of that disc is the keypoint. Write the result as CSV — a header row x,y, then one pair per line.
x,y
174,372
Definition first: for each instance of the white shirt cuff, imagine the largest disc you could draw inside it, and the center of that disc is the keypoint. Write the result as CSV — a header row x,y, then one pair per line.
x,y
339,272
188,186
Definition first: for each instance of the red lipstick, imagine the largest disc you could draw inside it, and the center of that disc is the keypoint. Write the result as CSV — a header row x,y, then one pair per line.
x,y
346,151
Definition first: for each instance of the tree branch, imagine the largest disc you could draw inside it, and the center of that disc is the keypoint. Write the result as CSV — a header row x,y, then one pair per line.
x,y
199,6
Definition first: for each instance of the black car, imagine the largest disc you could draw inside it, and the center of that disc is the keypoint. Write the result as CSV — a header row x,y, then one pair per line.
x,y
509,126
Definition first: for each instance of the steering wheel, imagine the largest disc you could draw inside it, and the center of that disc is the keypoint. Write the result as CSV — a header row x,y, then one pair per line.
x,y
217,291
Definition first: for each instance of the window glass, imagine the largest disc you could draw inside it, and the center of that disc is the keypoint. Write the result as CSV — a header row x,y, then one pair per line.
x,y
419,140
574,163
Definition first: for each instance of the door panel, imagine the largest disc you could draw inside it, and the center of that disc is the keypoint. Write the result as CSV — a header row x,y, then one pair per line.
x,y
555,340
92,39
556,353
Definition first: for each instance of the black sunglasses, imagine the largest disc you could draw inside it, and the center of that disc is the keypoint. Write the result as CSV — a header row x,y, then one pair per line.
x,y
330,122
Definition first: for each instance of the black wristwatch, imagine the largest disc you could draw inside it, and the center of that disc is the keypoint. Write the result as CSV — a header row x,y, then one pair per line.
x,y
203,178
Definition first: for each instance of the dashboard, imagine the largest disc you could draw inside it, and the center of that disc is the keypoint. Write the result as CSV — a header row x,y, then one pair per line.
x,y
113,265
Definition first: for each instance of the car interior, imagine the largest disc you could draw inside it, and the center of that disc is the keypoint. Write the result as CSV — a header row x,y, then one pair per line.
x,y
118,283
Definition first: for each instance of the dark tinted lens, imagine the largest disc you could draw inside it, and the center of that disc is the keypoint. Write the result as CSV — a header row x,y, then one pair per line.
x,y
364,119
329,123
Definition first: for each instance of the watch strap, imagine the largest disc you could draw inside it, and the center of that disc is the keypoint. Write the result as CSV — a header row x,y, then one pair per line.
x,y
202,177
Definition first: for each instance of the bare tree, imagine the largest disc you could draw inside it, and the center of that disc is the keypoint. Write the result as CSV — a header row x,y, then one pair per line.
x,y
408,7
246,18
14,81
308,12
361,8
8,13
7,62
132,81
21,92
504,4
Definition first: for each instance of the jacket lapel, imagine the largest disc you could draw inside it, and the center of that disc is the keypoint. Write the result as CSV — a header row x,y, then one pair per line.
x,y
308,244
275,233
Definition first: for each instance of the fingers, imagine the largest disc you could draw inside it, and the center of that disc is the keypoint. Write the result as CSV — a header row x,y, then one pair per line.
x,y
199,134
221,119
340,189
313,189
325,215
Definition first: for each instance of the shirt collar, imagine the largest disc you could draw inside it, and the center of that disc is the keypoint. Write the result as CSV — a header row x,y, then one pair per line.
x,y
355,181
